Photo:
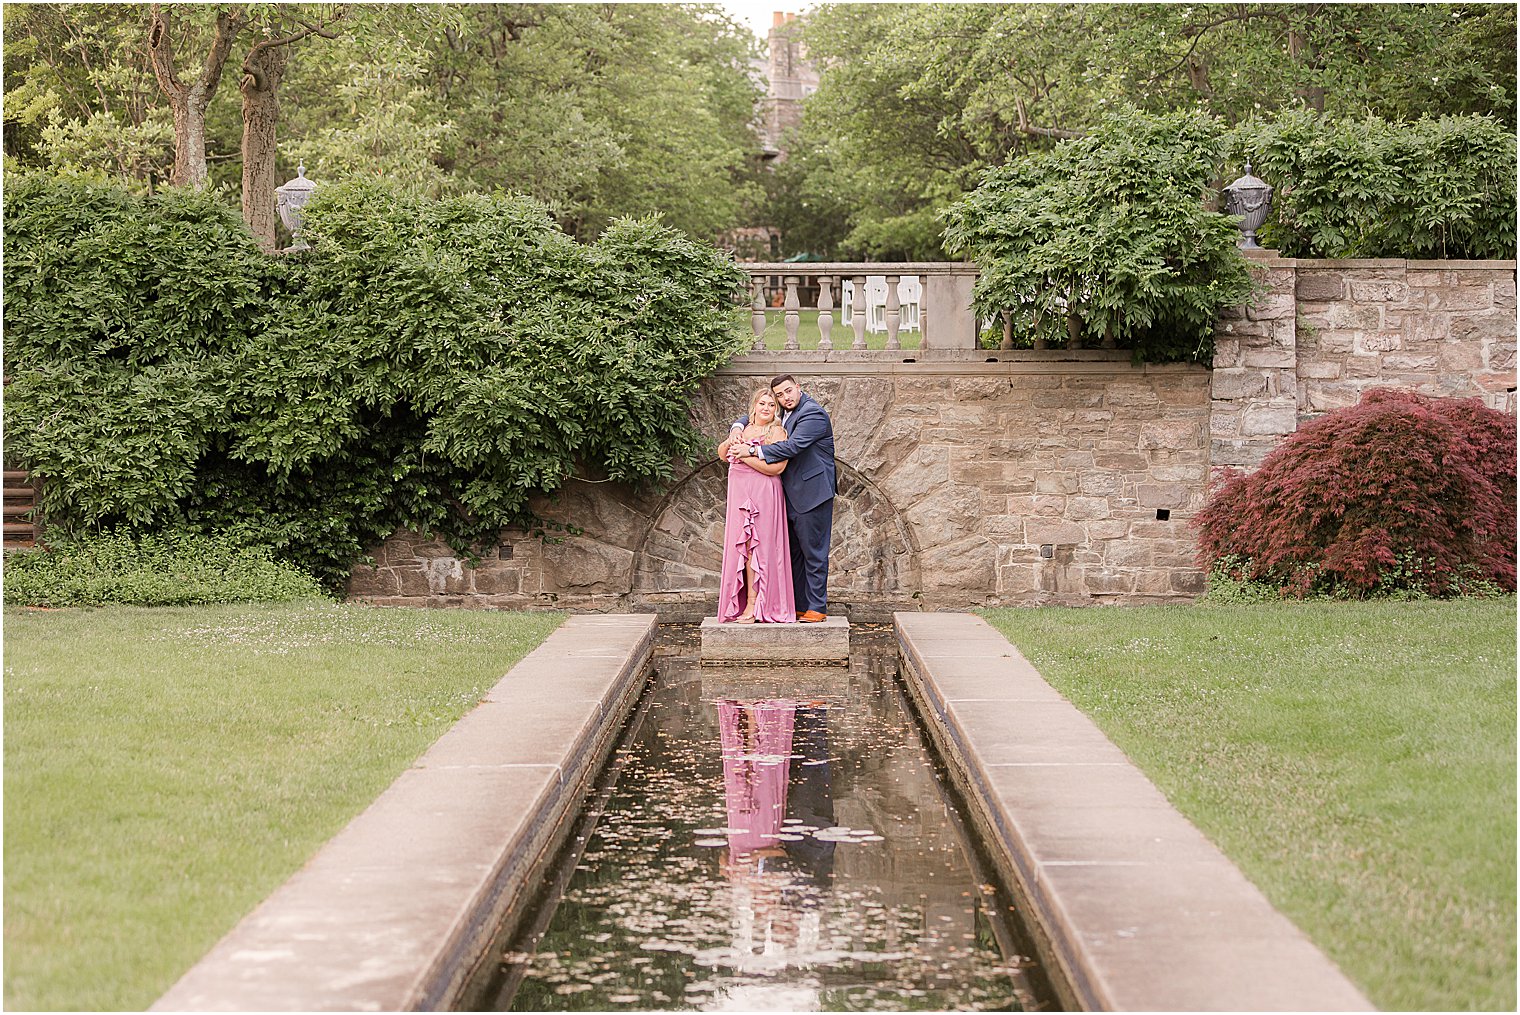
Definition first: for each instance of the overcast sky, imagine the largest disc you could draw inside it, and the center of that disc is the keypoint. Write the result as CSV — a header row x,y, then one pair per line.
x,y
757,13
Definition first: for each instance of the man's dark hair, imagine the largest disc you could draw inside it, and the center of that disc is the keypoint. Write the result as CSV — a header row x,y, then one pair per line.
x,y
783,377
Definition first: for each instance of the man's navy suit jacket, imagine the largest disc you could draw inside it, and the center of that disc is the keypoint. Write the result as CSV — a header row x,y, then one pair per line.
x,y
809,479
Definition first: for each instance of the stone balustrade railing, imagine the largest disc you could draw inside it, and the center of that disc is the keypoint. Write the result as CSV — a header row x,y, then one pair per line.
x,y
942,313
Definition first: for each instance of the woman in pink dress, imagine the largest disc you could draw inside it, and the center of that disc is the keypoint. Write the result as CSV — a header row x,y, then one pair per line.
x,y
756,584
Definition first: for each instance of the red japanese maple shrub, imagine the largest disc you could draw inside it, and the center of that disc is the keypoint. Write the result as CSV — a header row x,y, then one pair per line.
x,y
1400,492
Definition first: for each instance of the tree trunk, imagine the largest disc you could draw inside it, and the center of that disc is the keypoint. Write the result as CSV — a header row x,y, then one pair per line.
x,y
262,71
189,102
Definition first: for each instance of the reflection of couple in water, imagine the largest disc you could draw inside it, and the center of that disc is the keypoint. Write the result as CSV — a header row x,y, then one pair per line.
x,y
777,883
781,486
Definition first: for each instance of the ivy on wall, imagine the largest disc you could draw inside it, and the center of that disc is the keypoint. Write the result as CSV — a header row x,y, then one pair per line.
x,y
1108,237
429,364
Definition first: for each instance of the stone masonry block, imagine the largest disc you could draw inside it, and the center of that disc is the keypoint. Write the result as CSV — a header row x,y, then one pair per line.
x,y
1171,435
1274,357
1429,327
1422,363
1461,357
1084,508
1464,297
1272,307
1322,369
1264,420
1332,342
1038,531
1321,286
1327,396
1107,528
1236,382
1379,292
827,641
1363,366
1483,328
1378,342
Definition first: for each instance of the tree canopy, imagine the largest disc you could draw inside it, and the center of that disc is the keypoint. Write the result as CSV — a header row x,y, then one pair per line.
x,y
597,110
916,101
602,110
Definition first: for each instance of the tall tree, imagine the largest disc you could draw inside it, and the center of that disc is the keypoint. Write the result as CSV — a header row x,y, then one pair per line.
x,y
263,70
189,101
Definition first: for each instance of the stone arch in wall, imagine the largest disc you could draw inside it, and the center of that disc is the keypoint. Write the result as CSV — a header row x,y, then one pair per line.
x,y
873,562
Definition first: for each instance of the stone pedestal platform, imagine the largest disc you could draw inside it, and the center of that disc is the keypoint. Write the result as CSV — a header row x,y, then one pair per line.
x,y
824,642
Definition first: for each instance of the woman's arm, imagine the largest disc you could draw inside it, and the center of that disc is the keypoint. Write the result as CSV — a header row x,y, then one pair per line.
x,y
777,433
761,465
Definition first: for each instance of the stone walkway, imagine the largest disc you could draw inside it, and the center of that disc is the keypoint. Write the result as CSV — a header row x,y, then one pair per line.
x,y
393,911
1137,908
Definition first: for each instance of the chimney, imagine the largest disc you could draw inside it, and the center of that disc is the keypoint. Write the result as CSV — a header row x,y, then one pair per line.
x,y
777,19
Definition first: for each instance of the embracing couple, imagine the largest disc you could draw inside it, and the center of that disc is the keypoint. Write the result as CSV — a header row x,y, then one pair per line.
x,y
781,487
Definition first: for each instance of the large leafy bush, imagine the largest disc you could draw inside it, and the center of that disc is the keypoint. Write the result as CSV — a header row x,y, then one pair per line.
x,y
430,364
177,569
1434,188
1401,492
1112,231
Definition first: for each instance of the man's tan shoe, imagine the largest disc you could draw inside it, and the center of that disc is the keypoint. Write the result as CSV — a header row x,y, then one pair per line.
x,y
812,617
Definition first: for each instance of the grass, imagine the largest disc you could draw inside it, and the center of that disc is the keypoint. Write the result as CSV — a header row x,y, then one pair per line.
x,y
167,768
1356,760
841,336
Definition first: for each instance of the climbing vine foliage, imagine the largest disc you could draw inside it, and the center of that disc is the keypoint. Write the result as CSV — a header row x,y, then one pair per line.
x,y
429,364
1107,237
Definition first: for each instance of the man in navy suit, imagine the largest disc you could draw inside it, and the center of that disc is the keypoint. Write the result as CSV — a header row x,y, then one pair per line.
x,y
809,483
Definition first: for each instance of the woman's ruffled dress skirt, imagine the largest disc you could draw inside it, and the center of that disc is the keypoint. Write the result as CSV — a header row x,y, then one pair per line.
x,y
755,527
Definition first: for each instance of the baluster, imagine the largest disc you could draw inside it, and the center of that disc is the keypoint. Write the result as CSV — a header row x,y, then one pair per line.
x,y
894,313
793,317
757,312
825,311
1008,331
859,283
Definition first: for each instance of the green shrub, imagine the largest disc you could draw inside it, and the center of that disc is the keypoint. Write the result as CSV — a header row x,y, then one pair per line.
x,y
430,365
176,570
1434,188
1110,230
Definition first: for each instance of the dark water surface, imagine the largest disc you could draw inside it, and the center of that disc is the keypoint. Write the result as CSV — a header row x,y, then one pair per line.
x,y
770,839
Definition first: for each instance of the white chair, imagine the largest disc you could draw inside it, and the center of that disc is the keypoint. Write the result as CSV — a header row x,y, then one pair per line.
x,y
909,295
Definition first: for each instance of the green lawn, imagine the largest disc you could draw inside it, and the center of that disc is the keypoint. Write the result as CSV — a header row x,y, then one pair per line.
x,y
842,336
166,769
1357,760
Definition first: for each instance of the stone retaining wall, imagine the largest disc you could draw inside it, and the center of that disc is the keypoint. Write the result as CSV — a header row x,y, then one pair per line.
x,y
1325,331
1028,479
974,478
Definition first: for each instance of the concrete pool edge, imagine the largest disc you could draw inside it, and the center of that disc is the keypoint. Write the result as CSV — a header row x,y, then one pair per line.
x,y
1136,909
392,913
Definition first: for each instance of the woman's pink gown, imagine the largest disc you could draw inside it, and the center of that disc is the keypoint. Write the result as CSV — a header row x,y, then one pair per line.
x,y
757,758
756,528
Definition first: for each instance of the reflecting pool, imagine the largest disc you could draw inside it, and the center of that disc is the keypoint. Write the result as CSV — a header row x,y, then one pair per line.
x,y
770,838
